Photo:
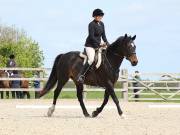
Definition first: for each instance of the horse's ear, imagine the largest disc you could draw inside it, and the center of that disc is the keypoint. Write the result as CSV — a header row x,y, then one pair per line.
x,y
125,36
134,37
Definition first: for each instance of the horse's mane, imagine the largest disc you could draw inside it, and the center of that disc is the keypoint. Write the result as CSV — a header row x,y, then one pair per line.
x,y
116,42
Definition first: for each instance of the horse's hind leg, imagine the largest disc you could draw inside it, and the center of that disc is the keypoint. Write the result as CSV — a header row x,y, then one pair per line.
x,y
99,109
7,94
61,83
79,88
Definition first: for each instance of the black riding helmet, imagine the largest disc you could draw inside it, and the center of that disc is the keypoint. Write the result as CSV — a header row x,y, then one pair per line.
x,y
98,12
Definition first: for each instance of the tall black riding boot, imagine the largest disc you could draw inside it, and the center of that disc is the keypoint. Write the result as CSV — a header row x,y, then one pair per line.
x,y
81,75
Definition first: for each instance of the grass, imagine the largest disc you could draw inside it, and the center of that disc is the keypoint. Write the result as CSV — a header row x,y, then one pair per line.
x,y
100,95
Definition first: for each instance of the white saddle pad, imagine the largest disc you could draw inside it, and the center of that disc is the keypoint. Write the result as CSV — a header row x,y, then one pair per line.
x,y
98,64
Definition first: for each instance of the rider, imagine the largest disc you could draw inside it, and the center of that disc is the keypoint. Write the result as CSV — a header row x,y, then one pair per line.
x,y
93,41
11,64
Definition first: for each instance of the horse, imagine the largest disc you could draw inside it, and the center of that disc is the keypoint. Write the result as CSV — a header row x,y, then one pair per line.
x,y
4,83
25,84
68,65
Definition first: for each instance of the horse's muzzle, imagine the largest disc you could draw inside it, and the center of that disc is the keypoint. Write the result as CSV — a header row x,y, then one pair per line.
x,y
133,59
134,63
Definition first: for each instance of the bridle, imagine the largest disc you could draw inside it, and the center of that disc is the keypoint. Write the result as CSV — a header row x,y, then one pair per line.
x,y
120,56
129,55
117,55
114,53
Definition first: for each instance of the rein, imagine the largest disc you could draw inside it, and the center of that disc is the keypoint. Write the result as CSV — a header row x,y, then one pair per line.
x,y
115,54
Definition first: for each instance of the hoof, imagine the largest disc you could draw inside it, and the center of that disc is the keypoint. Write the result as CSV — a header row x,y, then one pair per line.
x,y
123,116
50,111
95,114
87,115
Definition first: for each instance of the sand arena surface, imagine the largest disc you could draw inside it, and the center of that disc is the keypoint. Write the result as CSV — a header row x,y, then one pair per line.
x,y
141,120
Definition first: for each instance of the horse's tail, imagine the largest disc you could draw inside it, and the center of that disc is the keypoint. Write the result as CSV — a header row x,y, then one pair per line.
x,y
52,78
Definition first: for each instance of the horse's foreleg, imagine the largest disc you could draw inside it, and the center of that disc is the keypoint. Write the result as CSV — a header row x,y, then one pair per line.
x,y
80,99
7,94
115,99
28,95
2,94
99,109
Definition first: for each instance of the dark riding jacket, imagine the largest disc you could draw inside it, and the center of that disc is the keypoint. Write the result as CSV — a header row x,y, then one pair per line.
x,y
96,31
16,83
11,63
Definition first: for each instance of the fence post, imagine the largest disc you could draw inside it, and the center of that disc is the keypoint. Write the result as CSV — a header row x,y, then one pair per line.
x,y
41,75
124,74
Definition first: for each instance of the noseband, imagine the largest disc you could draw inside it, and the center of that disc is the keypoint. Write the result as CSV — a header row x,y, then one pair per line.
x,y
121,56
129,55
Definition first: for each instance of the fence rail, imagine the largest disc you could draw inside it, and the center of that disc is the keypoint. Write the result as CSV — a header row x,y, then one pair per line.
x,y
148,86
148,90
26,69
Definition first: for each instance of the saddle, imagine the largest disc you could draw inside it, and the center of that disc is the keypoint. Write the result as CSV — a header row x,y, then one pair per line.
x,y
98,57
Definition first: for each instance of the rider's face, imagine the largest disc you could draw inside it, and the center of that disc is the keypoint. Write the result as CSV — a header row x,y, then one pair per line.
x,y
98,18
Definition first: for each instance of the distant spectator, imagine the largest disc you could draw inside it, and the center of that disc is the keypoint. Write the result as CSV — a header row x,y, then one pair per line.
x,y
11,63
136,84
36,84
16,84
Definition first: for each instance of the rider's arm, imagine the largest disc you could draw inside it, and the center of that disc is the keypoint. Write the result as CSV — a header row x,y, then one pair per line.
x,y
91,34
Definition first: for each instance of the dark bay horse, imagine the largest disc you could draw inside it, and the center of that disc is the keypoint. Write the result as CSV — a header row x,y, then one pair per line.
x,y
25,84
68,65
4,83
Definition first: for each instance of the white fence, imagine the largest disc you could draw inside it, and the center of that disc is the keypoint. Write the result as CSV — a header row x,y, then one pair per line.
x,y
149,88
41,78
153,86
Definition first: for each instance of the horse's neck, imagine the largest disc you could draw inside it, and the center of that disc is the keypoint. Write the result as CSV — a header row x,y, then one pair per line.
x,y
114,60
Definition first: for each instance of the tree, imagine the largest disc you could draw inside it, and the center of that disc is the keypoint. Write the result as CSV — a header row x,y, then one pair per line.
x,y
26,50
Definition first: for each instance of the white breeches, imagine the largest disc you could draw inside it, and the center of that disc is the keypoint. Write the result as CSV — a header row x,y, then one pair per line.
x,y
90,54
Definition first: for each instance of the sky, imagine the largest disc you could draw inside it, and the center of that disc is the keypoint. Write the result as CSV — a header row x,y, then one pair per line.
x,y
60,26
